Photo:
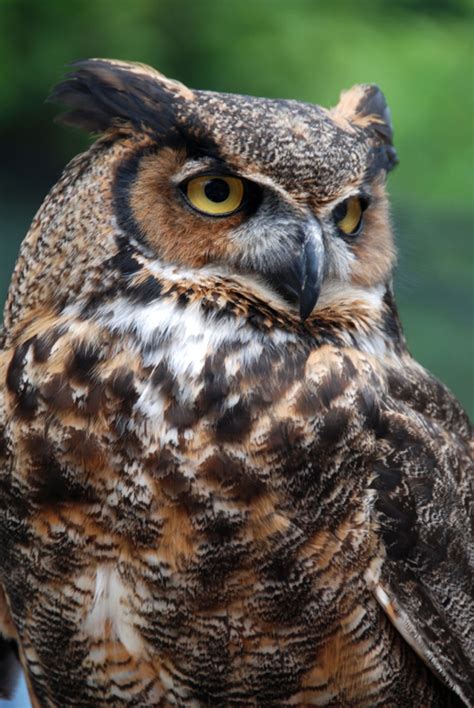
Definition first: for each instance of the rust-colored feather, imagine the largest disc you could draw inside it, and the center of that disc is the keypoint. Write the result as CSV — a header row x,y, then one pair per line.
x,y
207,498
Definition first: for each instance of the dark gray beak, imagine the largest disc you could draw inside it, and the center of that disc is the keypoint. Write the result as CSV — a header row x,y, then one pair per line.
x,y
299,280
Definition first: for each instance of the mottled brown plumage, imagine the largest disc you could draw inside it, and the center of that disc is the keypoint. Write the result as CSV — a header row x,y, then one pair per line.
x,y
223,479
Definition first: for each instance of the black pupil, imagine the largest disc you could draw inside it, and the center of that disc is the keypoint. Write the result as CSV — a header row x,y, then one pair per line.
x,y
340,211
217,190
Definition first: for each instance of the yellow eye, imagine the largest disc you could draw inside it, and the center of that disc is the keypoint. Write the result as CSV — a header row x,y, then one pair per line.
x,y
216,195
348,215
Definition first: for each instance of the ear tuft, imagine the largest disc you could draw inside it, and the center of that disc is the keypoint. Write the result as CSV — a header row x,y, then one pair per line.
x,y
364,106
101,94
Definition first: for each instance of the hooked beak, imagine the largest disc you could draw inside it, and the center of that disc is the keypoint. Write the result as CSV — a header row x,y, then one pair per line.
x,y
299,280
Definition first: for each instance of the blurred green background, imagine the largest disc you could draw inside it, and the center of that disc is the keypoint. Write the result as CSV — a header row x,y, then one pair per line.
x,y
420,52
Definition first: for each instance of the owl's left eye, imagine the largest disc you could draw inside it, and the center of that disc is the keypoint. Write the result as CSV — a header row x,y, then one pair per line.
x,y
215,195
348,215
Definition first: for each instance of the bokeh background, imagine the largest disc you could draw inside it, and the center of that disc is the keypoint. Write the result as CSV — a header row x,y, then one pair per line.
x,y
419,51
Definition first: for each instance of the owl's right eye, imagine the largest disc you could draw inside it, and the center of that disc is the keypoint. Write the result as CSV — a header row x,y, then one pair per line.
x,y
348,215
215,195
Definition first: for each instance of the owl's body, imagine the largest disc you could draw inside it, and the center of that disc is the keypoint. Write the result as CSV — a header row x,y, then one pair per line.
x,y
224,480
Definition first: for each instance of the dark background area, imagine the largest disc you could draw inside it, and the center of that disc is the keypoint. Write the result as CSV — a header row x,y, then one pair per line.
x,y
419,52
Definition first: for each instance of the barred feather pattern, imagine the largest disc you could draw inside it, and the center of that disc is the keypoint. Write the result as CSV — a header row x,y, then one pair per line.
x,y
204,498
209,516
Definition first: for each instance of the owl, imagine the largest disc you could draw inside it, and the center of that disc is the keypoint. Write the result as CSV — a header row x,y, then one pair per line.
x,y
223,478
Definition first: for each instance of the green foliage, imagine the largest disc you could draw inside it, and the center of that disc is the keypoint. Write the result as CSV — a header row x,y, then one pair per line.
x,y
418,51
304,49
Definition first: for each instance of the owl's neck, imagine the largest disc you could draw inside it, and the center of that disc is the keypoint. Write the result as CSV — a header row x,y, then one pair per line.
x,y
150,298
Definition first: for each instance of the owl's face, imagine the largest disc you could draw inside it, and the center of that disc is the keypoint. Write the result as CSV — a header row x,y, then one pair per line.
x,y
286,193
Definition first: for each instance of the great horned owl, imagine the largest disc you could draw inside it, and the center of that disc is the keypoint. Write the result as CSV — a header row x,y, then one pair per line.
x,y
224,480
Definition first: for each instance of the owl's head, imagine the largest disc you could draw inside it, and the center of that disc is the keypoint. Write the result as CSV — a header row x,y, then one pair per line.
x,y
286,193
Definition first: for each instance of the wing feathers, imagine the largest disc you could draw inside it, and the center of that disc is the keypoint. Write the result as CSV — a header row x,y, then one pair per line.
x,y
427,577
9,664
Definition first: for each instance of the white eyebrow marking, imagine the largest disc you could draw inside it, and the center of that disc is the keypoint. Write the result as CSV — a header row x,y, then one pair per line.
x,y
197,165
193,167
